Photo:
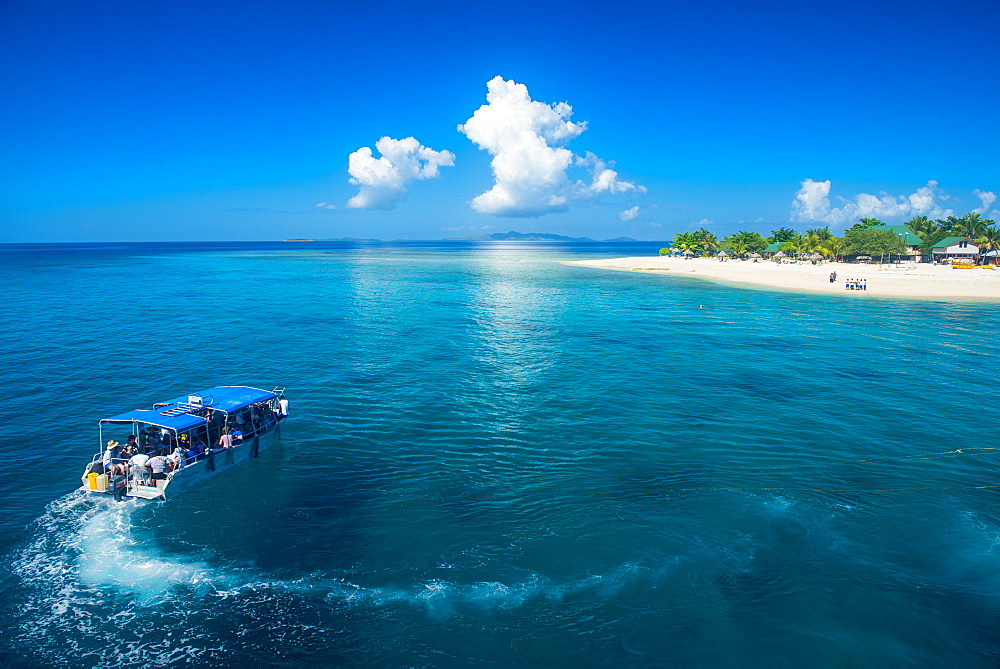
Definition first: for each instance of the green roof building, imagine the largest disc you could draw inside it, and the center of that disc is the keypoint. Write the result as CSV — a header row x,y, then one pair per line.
x,y
954,247
911,240
948,241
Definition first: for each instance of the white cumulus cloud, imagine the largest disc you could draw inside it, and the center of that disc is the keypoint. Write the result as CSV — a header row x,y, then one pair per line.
x,y
383,180
812,204
987,198
325,205
530,162
630,214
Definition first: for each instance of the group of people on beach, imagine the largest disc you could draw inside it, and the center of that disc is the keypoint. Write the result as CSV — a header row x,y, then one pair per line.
x,y
851,284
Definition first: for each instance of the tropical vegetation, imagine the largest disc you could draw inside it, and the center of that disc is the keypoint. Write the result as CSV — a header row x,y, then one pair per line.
x,y
867,237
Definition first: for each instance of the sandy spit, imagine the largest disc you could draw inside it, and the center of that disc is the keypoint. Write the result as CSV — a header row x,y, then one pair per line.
x,y
909,280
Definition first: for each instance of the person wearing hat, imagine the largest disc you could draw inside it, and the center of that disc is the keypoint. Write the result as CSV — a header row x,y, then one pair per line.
x,y
110,454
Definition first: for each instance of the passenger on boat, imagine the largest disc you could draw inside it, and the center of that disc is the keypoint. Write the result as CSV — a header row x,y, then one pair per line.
x,y
159,465
200,449
128,450
237,437
225,441
133,443
283,405
139,469
143,439
110,454
154,444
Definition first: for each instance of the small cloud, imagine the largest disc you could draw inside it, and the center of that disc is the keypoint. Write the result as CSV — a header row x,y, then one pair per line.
x,y
383,180
704,223
655,225
530,162
987,198
325,205
630,214
812,203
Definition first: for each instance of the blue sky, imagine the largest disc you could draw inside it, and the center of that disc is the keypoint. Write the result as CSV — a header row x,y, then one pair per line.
x,y
226,121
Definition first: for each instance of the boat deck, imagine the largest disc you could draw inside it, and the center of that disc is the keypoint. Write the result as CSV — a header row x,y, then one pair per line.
x,y
145,492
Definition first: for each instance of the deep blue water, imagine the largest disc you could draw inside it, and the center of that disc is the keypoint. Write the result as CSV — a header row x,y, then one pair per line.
x,y
494,458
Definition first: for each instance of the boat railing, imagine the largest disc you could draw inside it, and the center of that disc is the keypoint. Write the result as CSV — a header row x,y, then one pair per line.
x,y
142,475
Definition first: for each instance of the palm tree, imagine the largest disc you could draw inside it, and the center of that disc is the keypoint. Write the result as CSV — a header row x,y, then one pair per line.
x,y
819,234
834,247
683,241
990,240
737,246
798,244
971,225
921,226
706,240
948,224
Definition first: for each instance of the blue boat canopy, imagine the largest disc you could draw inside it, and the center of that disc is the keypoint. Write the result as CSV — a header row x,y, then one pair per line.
x,y
178,414
181,422
227,398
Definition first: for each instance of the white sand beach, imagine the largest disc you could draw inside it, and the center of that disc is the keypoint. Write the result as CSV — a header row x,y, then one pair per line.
x,y
922,280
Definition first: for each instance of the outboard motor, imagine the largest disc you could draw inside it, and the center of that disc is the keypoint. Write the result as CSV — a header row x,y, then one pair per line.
x,y
119,483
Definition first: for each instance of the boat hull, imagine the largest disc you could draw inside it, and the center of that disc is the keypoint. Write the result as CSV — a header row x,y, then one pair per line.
x,y
186,478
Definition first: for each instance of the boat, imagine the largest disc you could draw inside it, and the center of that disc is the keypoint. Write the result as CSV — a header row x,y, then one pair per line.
x,y
181,443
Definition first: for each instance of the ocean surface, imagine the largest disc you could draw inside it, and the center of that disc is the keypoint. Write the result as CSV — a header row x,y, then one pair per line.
x,y
496,459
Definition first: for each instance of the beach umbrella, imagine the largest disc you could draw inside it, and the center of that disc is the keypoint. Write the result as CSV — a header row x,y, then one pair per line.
x,y
722,254
780,254
756,255
816,256
689,252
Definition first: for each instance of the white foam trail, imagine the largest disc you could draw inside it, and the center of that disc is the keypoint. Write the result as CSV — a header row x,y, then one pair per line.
x,y
97,592
110,557
89,545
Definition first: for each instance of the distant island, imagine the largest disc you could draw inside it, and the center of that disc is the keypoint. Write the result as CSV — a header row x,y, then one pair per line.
x,y
337,239
513,236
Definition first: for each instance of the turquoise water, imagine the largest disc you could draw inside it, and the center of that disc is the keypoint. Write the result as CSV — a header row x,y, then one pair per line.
x,y
496,458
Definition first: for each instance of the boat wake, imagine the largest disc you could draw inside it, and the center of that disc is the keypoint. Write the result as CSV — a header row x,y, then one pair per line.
x,y
97,591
